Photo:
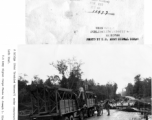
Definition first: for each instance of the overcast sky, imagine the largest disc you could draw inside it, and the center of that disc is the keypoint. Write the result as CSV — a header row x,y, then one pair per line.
x,y
114,63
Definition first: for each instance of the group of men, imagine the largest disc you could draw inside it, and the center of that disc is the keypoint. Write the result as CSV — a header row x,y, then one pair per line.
x,y
101,105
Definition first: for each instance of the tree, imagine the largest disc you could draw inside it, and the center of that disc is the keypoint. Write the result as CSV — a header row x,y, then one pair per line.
x,y
103,91
49,81
71,73
141,87
37,80
22,83
129,89
115,87
52,80
23,92
146,86
61,66
137,87
91,84
74,81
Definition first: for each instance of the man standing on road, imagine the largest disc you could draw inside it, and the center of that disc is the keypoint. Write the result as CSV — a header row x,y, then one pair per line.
x,y
107,107
98,107
102,105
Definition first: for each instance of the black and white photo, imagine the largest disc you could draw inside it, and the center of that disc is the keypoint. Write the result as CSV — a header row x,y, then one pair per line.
x,y
89,82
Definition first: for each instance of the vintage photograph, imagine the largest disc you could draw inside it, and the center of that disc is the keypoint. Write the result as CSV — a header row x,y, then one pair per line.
x,y
84,82
84,21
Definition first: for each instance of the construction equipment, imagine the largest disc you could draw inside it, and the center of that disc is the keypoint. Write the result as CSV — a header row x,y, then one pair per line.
x,y
55,103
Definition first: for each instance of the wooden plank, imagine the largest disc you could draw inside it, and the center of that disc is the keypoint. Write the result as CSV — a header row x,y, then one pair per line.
x,y
62,104
56,100
73,102
74,108
70,103
87,102
67,110
71,109
66,103
62,111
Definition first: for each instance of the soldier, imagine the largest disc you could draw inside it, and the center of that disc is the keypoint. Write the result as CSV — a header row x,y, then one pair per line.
x,y
146,116
98,109
102,106
107,107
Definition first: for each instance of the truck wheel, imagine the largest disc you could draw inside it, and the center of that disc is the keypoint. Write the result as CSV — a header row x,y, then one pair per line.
x,y
81,117
86,113
90,113
71,117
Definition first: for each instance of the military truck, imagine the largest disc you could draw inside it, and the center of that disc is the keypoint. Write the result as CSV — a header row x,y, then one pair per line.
x,y
55,103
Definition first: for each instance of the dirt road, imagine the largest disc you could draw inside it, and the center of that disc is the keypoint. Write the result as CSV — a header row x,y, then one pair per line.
x,y
118,115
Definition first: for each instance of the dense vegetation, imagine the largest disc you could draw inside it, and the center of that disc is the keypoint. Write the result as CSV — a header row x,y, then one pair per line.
x,y
71,78
140,89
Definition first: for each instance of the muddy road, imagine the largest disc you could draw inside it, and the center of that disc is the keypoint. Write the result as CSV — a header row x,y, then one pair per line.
x,y
118,115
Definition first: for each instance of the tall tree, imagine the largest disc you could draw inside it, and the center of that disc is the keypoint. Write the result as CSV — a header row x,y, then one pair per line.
x,y
129,89
137,87
71,72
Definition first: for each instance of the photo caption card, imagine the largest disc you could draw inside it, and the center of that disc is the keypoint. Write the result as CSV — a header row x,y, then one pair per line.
x,y
84,21
8,94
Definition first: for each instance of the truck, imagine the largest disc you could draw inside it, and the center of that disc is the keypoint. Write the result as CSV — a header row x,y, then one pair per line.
x,y
56,103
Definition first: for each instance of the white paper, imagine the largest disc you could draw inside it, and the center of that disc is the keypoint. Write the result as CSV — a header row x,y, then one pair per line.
x,y
84,21
8,83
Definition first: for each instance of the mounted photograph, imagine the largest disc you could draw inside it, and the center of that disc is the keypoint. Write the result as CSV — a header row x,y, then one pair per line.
x,y
91,82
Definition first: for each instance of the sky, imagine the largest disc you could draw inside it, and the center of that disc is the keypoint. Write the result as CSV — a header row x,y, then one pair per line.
x,y
104,63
